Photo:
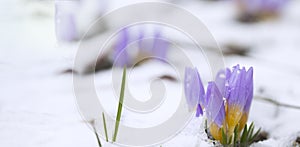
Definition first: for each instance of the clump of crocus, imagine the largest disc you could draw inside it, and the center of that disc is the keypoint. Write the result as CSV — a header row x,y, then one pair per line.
x,y
153,46
226,103
255,10
73,17
65,25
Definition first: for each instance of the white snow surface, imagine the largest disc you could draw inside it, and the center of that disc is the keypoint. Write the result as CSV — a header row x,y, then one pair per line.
x,y
38,107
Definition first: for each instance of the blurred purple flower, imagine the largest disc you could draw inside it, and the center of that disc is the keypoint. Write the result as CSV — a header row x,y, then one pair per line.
x,y
120,54
160,46
65,26
69,15
153,47
261,6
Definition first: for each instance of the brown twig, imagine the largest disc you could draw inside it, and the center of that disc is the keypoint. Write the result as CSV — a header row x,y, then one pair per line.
x,y
276,102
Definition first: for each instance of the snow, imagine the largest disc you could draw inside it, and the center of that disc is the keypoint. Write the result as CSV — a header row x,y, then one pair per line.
x,y
37,103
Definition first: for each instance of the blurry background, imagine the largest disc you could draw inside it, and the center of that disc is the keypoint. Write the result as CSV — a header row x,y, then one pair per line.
x,y
39,39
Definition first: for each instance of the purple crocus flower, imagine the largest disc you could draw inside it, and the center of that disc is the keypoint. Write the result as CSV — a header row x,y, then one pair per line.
x,y
121,55
248,97
65,26
215,110
194,90
237,87
260,7
145,43
240,93
154,47
70,15
227,100
160,46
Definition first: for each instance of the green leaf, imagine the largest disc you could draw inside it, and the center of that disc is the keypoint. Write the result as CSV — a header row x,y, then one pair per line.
x,y
230,140
251,140
250,132
235,140
236,135
104,125
244,135
121,99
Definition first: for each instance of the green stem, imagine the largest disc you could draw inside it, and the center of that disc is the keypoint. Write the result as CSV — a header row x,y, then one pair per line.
x,y
98,139
105,128
121,99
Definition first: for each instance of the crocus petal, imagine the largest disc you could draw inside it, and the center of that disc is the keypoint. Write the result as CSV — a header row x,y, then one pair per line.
x,y
193,87
249,97
237,87
201,98
222,79
121,56
199,111
215,109
249,90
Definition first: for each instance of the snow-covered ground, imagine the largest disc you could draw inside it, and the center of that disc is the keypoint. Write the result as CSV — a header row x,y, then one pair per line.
x,y
38,106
